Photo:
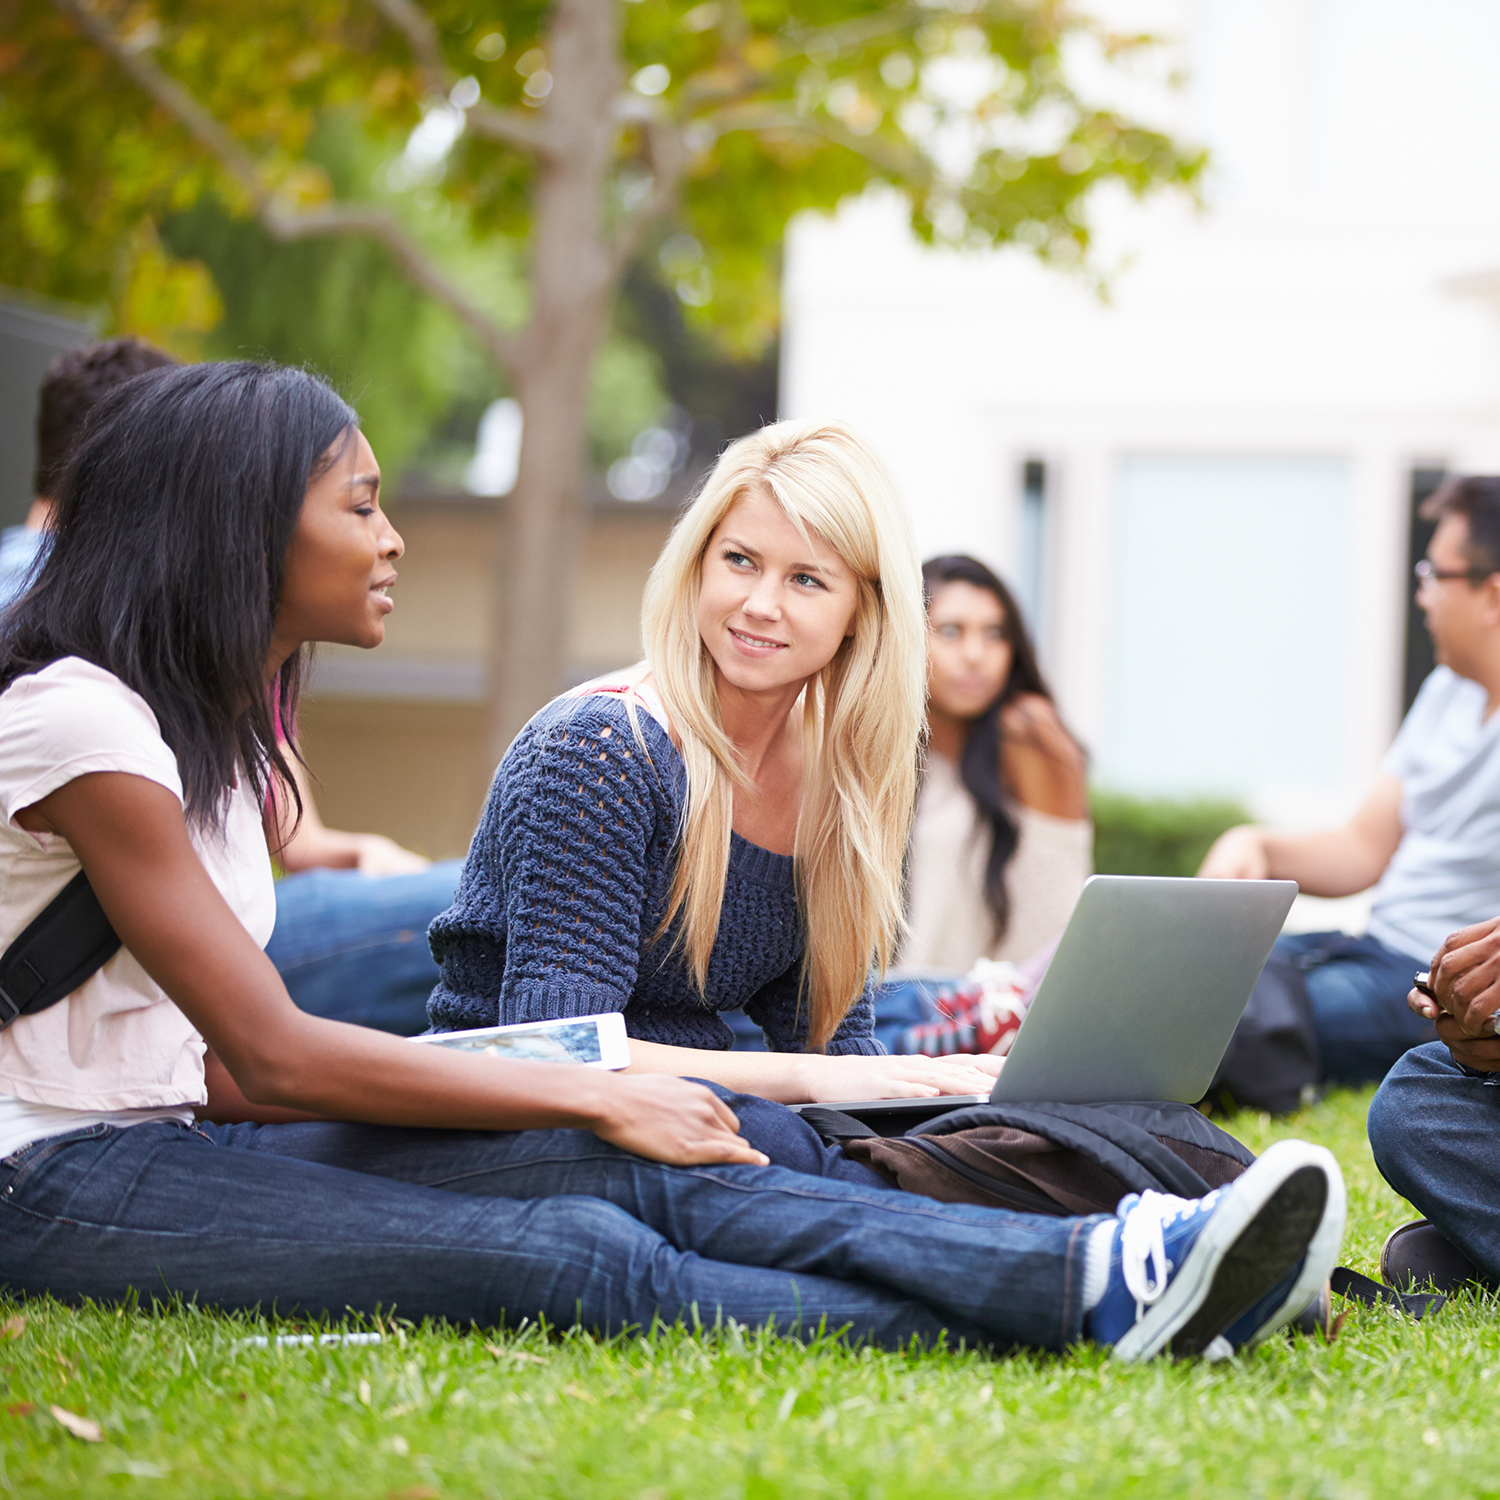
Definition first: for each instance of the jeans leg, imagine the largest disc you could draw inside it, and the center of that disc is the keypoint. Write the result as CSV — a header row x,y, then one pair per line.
x,y
748,1037
1016,1276
791,1142
354,948
1433,1128
1359,1010
160,1209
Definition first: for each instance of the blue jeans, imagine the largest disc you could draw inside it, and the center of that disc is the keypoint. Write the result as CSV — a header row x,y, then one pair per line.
x,y
1358,990
354,948
493,1227
1433,1129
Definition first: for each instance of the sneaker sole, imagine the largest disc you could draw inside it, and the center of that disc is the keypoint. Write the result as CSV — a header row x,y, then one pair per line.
x,y
1322,1258
1265,1225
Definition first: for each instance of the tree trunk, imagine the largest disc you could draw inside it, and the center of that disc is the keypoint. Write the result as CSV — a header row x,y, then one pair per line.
x,y
571,286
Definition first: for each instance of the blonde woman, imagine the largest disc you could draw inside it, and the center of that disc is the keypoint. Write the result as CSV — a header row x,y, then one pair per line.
x,y
723,826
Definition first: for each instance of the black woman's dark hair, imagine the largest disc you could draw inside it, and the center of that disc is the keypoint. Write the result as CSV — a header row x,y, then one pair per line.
x,y
174,515
980,765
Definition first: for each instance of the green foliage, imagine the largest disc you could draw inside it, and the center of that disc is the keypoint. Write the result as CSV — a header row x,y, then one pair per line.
x,y
339,307
417,377
188,1411
964,107
1157,836
626,393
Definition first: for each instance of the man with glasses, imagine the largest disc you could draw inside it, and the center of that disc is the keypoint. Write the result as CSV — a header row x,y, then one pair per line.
x,y
1428,833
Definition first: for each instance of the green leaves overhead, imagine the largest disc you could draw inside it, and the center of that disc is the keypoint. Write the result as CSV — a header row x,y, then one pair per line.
x,y
765,108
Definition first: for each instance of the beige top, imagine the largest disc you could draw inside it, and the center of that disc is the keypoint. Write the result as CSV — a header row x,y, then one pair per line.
x,y
117,1042
950,924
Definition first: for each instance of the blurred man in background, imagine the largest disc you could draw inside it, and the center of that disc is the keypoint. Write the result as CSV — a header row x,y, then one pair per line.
x,y
1428,833
352,913
74,383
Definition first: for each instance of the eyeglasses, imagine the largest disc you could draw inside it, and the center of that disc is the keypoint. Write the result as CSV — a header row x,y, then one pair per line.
x,y
1426,573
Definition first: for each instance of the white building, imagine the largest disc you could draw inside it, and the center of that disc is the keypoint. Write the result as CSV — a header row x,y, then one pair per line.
x,y
1216,534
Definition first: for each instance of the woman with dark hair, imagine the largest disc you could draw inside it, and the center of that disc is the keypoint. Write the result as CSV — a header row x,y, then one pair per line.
x,y
214,522
1002,841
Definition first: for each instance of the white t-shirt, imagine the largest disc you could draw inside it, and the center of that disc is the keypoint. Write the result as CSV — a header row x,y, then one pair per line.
x,y
117,1043
1445,873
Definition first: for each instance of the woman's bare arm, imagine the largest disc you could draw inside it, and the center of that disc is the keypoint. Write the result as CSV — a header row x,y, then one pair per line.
x,y
1041,764
131,837
227,1104
1331,862
811,1078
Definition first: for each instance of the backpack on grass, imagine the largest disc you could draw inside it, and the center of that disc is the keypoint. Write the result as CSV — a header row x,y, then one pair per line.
x,y
1272,1061
1067,1159
1047,1158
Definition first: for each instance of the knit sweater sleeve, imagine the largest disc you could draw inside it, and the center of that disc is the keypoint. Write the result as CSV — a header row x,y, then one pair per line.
x,y
547,918
775,1009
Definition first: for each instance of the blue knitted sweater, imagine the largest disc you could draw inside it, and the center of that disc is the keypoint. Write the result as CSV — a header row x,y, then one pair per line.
x,y
568,878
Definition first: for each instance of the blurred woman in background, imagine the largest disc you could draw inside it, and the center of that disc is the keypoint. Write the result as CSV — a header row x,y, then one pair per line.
x,y
1002,843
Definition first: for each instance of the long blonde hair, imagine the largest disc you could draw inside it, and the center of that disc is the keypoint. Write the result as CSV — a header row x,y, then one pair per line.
x,y
862,715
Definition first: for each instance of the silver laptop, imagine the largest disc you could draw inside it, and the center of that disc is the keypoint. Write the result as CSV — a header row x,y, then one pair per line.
x,y
1140,1000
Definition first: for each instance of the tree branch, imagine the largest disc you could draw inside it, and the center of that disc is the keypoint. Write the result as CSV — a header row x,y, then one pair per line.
x,y
284,223
422,37
665,155
508,125
765,118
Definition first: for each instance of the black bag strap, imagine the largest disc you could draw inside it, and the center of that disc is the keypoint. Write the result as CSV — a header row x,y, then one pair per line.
x,y
834,1125
1359,1288
1131,1155
70,940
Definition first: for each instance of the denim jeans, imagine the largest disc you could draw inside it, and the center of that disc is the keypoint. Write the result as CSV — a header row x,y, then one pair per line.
x,y
1433,1128
354,948
1358,990
493,1227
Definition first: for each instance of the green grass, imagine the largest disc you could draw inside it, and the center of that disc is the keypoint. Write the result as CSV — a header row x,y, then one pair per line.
x,y
1391,1407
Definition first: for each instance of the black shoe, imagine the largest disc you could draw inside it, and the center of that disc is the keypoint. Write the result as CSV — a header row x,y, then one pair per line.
x,y
1417,1255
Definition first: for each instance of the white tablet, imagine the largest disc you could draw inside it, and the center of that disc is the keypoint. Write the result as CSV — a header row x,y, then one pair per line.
x,y
594,1041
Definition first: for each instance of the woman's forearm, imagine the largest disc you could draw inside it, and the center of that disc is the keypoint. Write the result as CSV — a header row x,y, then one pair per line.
x,y
318,1092
771,1075
814,1077
346,1072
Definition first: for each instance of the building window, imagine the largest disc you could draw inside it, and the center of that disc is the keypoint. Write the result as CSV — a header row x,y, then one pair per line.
x,y
1229,638
1031,551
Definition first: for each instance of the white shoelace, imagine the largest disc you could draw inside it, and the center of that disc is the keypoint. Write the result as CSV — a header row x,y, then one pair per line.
x,y
1143,1250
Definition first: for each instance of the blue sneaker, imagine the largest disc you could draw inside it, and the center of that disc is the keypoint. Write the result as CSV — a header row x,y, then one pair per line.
x,y
1296,1292
1183,1270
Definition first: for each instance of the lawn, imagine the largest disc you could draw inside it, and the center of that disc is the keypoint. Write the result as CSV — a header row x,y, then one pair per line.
x,y
185,1407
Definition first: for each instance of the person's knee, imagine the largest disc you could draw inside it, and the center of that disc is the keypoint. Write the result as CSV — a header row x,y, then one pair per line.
x,y
1413,1091
591,1228
1387,1126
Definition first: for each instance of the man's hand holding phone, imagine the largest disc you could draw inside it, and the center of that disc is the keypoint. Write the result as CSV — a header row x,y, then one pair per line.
x,y
1460,994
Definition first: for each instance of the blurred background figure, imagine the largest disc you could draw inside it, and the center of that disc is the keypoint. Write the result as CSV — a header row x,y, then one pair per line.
x,y
352,912
1429,830
75,381
1002,842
